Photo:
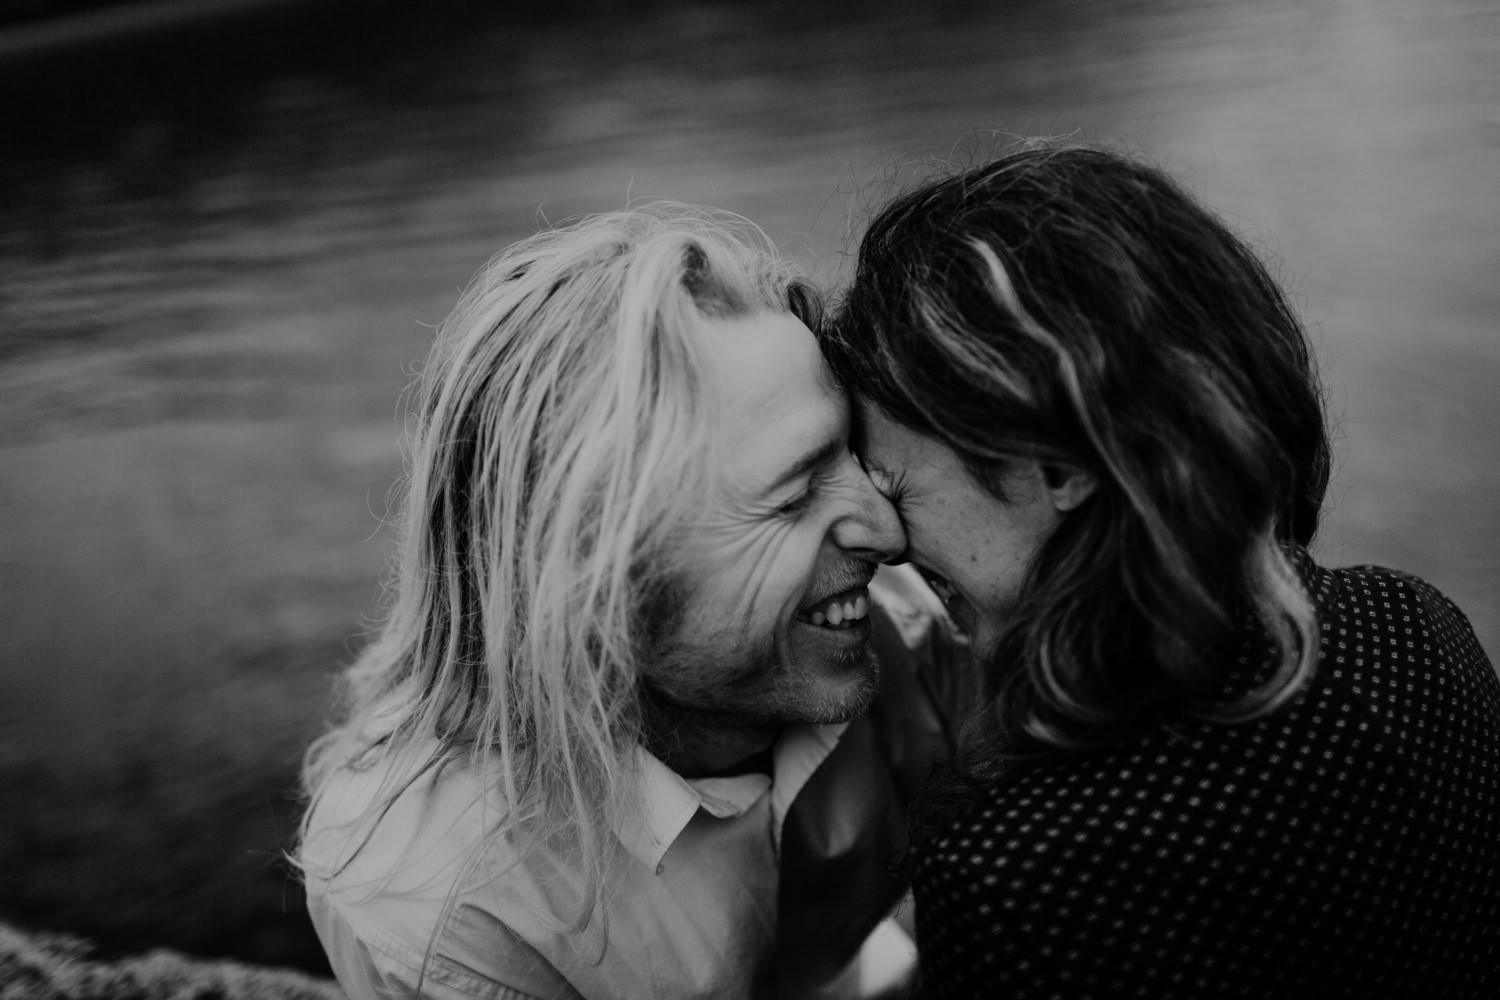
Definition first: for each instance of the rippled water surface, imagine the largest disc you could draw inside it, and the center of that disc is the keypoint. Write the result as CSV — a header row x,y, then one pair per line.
x,y
224,240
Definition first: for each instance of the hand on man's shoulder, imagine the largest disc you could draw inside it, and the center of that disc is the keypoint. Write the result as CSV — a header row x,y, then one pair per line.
x,y
922,652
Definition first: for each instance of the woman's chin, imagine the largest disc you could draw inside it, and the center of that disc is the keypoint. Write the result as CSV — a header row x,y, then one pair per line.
x,y
983,636
961,613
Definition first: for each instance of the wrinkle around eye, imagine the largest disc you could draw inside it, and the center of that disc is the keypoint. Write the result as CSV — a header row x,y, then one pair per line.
x,y
746,526
891,485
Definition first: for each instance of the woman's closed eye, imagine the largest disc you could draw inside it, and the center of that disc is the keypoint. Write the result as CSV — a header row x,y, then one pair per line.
x,y
891,485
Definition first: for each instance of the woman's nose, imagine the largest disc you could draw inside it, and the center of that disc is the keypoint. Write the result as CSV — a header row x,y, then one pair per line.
x,y
872,527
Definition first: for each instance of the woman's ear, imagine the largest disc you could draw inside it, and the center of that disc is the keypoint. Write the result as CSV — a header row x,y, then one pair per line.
x,y
1068,485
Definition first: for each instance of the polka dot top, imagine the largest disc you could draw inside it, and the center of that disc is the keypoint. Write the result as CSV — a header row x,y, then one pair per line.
x,y
1346,846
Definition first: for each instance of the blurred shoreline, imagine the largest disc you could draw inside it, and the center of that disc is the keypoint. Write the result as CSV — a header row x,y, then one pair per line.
x,y
64,967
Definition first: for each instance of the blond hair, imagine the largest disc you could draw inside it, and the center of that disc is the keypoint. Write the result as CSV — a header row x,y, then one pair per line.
x,y
559,447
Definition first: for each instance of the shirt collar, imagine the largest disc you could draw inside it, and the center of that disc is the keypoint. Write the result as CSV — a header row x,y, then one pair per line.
x,y
669,801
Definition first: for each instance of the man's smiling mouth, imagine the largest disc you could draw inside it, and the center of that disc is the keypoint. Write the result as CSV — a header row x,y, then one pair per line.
x,y
841,611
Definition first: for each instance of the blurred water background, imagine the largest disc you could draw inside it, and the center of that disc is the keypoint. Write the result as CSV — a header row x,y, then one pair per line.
x,y
227,228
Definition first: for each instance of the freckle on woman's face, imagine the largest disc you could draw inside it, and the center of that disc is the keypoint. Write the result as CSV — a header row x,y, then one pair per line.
x,y
972,547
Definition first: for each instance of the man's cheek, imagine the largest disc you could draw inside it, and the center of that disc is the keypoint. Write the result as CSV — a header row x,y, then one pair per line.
x,y
773,570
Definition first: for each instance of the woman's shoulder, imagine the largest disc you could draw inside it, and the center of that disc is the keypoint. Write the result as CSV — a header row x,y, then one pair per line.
x,y
1376,613
1382,596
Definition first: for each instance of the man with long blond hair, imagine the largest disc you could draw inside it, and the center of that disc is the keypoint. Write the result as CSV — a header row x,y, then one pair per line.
x,y
630,624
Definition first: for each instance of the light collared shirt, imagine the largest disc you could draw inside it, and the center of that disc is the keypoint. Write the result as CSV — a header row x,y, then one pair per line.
x,y
693,913
692,908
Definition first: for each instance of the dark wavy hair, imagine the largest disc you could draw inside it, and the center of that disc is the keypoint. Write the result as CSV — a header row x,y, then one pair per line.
x,y
1073,305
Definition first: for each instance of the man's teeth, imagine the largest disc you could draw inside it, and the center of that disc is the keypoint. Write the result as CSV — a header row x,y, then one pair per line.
x,y
841,614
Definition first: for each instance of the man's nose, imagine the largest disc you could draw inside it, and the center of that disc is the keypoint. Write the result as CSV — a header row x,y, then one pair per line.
x,y
871,527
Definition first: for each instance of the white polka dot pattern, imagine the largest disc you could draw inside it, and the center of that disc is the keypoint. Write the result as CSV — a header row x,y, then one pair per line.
x,y
1347,846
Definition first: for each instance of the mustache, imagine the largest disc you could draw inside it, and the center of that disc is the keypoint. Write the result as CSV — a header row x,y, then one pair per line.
x,y
846,576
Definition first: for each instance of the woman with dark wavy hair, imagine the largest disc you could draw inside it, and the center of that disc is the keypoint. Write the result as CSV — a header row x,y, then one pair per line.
x,y
1201,765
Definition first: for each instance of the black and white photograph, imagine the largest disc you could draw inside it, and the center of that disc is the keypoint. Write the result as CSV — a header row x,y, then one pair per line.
x,y
750,499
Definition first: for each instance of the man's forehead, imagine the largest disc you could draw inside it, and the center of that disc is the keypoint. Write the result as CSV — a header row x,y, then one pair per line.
x,y
779,404
755,354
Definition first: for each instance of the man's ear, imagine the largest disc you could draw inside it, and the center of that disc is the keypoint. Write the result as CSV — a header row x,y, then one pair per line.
x,y
1068,485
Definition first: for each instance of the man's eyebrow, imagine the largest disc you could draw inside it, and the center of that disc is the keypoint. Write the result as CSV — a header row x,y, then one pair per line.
x,y
819,456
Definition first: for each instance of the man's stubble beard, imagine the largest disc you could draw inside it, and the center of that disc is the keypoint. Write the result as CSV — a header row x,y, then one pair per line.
x,y
665,663
831,709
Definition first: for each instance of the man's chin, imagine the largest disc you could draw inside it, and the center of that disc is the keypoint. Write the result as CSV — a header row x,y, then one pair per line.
x,y
845,690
